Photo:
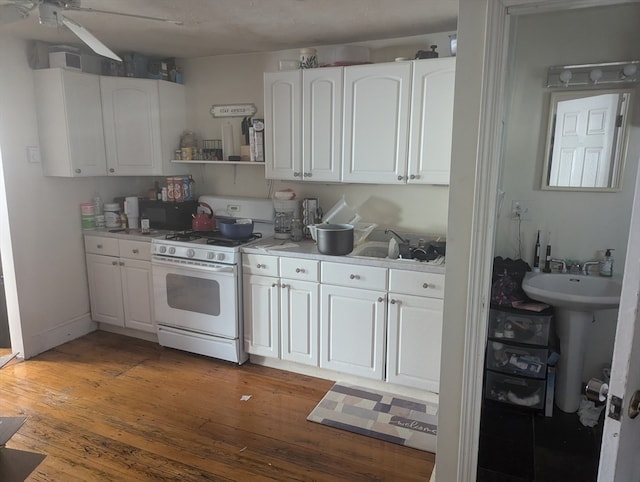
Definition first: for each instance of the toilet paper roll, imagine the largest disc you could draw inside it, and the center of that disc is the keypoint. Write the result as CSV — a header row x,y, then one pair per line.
x,y
227,141
596,390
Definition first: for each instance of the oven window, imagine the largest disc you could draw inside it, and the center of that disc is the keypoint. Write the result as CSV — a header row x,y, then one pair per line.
x,y
193,294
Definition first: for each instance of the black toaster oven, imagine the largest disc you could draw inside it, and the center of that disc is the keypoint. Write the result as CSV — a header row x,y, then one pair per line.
x,y
172,216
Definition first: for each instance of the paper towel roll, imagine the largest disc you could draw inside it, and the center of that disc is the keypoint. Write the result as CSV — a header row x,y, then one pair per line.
x,y
227,141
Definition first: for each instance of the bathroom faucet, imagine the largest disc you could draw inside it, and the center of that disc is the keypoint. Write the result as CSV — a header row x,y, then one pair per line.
x,y
561,261
400,238
585,266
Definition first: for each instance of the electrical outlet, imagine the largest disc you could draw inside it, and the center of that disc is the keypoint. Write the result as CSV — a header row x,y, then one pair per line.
x,y
521,210
33,154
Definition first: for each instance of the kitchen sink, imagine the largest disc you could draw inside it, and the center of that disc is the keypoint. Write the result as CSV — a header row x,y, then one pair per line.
x,y
372,249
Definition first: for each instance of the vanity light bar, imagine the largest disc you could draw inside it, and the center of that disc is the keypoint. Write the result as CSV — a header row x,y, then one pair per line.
x,y
594,74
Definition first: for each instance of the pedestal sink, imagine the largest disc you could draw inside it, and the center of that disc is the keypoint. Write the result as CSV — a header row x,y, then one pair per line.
x,y
575,298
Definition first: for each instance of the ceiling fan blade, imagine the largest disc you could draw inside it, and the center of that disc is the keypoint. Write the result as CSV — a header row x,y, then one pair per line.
x,y
122,14
88,38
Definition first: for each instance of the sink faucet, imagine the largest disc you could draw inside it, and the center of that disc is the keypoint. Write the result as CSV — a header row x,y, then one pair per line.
x,y
561,262
400,238
585,266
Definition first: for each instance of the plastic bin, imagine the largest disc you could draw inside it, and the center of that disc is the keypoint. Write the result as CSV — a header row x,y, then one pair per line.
x,y
532,329
523,392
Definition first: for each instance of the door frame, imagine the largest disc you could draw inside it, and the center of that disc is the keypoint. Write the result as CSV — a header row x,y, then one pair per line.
x,y
479,250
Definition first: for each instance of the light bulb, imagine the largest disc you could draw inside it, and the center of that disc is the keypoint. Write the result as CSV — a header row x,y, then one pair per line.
x,y
565,76
595,75
629,70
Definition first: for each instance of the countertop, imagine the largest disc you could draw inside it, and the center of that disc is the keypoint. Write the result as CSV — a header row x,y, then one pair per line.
x,y
307,249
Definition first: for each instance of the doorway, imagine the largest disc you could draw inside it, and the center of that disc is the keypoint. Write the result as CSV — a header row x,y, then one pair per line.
x,y
580,232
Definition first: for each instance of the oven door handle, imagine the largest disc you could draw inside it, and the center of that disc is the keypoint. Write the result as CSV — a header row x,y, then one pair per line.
x,y
198,267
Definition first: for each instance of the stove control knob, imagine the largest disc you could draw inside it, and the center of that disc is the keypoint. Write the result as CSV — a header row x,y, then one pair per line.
x,y
191,253
210,255
172,250
163,249
220,256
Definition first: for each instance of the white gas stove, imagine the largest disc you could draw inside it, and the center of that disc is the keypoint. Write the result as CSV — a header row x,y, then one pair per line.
x,y
197,279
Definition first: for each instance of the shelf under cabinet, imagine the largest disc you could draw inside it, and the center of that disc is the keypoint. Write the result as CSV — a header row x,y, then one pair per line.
x,y
228,163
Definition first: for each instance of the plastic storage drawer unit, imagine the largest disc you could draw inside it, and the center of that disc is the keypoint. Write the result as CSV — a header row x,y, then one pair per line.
x,y
532,329
525,392
517,360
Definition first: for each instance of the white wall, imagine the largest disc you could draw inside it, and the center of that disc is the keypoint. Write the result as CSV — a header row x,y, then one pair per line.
x,y
583,224
48,298
239,79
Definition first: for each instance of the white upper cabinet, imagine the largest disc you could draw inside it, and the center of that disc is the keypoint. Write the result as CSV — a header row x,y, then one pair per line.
x,y
282,116
377,101
303,116
431,121
322,92
70,123
143,120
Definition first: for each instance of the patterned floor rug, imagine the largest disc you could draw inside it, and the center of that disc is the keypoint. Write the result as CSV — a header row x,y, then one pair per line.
x,y
385,416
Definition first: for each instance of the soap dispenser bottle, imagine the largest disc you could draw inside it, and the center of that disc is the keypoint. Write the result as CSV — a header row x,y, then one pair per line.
x,y
606,265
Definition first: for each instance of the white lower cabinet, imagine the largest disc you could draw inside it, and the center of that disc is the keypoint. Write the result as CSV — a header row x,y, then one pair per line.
x,y
353,326
368,321
120,284
281,310
415,329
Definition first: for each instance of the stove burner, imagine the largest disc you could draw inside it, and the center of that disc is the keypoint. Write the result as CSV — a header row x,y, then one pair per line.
x,y
183,236
214,238
217,239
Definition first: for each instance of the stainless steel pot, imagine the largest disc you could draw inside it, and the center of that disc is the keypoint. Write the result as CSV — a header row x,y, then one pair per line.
x,y
333,239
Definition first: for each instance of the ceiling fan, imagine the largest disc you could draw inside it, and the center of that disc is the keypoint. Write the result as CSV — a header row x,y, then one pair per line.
x,y
51,14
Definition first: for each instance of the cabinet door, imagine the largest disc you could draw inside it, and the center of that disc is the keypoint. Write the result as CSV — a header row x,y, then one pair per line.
x,y
431,121
131,113
415,339
376,122
137,293
352,326
299,321
70,123
105,289
283,132
322,91
261,316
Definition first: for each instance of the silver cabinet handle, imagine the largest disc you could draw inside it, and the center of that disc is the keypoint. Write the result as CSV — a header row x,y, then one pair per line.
x,y
392,301
99,246
425,285
114,263
380,299
354,276
284,285
413,176
400,178
112,169
121,263
296,174
135,251
273,285
78,171
259,266
299,270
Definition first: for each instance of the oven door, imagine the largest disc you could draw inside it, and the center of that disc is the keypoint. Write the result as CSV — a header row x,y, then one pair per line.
x,y
197,298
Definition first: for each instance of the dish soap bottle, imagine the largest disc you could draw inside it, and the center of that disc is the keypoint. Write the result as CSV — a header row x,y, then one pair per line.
x,y
606,265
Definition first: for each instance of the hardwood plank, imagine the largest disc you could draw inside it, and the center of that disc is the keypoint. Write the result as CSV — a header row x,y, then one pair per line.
x,y
108,407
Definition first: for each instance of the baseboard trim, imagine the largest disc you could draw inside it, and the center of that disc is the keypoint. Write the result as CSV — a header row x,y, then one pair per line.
x,y
142,335
59,334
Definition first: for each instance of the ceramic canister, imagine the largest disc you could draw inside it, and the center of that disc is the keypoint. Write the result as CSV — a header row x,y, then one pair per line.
x,y
308,59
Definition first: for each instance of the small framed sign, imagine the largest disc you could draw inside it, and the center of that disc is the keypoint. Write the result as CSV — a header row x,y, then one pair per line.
x,y
233,110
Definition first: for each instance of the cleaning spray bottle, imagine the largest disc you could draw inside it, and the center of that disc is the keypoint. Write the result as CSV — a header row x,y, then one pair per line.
x,y
536,255
606,265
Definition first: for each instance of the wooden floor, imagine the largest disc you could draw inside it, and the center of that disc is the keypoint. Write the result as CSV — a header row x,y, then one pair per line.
x,y
108,407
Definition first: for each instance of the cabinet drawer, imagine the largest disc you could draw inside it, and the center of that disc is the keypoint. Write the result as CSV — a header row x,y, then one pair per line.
x,y
525,392
98,245
302,269
416,283
260,264
135,250
355,276
527,328
517,360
